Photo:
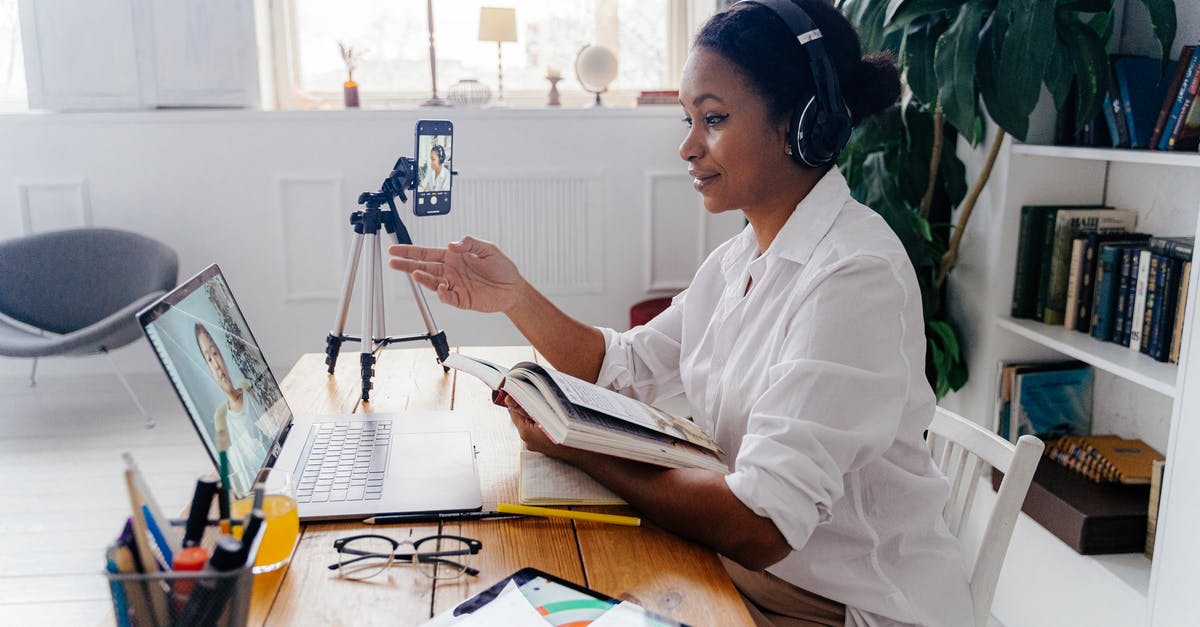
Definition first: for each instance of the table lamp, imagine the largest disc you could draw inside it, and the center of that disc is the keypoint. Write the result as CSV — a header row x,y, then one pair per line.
x,y
498,25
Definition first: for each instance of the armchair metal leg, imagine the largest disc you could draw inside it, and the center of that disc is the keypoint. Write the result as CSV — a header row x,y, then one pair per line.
x,y
150,424
33,374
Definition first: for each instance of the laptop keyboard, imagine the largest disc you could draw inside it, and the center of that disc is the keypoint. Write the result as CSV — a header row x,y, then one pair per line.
x,y
347,461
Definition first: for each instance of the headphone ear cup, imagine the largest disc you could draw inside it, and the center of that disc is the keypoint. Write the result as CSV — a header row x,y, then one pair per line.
x,y
821,135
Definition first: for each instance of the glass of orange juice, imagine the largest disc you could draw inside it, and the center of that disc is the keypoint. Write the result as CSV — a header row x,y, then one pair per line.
x,y
281,517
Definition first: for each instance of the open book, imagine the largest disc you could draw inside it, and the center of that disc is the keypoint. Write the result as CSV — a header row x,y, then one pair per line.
x,y
582,415
549,481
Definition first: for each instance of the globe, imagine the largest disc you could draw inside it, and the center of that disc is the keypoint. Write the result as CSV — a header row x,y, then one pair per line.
x,y
596,67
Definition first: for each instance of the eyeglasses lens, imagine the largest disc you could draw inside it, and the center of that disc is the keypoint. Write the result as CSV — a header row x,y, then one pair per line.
x,y
363,558
443,558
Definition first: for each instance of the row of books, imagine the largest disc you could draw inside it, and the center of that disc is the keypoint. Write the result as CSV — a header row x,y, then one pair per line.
x,y
658,97
1085,268
1147,106
1096,493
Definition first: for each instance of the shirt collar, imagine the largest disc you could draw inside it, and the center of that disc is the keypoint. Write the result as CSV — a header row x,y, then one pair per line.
x,y
804,229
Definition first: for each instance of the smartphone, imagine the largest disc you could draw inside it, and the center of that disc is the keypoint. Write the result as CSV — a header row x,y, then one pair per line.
x,y
559,601
435,160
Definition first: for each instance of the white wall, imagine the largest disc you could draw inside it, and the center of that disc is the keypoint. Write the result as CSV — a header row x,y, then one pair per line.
x,y
594,205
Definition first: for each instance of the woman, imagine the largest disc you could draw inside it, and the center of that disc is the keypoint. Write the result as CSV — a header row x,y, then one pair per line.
x,y
438,178
799,344
250,428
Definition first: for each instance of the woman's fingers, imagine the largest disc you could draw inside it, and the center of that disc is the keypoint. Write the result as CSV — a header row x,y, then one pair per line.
x,y
417,253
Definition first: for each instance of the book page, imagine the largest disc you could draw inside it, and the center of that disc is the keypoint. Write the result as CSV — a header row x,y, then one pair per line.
x,y
612,403
485,371
548,481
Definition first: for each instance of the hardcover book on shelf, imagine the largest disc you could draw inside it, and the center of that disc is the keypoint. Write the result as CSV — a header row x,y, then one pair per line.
x,y
1068,224
1152,302
1190,76
1027,273
575,413
1108,275
1180,310
1142,85
1137,310
1106,458
1126,290
1156,477
1168,103
1090,274
1162,320
1048,400
1074,281
1179,131
1091,518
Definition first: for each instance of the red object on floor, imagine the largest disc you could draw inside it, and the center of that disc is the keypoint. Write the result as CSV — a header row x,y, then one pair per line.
x,y
644,312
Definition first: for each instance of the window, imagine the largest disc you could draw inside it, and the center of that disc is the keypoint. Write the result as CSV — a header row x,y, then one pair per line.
x,y
12,60
650,38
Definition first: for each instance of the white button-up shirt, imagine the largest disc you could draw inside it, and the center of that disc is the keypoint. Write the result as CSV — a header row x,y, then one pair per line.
x,y
813,383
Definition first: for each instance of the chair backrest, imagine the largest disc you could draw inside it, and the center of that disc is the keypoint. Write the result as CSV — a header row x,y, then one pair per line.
x,y
963,451
62,281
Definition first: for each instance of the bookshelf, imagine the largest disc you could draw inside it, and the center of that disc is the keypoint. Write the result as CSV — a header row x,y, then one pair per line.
x,y
1135,395
1134,367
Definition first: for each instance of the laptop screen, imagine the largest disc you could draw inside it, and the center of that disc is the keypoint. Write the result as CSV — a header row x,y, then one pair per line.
x,y
219,372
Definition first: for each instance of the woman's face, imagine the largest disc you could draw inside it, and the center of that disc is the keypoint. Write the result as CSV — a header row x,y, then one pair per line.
x,y
435,160
216,363
733,149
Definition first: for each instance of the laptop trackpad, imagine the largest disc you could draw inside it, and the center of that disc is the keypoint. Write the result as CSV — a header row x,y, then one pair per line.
x,y
432,471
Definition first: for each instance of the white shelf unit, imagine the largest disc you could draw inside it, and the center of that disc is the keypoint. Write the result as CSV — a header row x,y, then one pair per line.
x,y
1044,582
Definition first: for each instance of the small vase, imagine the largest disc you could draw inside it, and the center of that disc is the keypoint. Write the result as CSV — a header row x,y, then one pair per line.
x,y
553,101
350,94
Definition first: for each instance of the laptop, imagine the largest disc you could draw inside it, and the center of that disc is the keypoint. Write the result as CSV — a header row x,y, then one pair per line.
x,y
343,466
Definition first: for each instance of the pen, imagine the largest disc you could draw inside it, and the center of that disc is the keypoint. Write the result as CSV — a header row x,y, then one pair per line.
x,y
156,533
222,437
509,508
435,517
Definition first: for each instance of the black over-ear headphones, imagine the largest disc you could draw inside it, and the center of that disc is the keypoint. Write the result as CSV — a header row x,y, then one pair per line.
x,y
820,126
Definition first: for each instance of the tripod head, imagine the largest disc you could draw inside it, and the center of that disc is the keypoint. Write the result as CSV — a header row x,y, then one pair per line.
x,y
402,177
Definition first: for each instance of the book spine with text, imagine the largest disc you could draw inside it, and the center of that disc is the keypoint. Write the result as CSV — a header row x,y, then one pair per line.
x,y
1181,94
1152,302
1087,283
1163,325
1169,100
1071,310
1180,310
1043,265
1138,309
1126,288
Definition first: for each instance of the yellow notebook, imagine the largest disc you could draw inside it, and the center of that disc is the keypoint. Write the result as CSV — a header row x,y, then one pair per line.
x,y
548,481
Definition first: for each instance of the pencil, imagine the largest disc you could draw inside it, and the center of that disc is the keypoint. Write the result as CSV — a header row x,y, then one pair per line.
x,y
613,519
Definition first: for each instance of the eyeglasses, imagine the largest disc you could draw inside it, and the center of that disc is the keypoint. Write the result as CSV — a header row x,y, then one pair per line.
x,y
367,555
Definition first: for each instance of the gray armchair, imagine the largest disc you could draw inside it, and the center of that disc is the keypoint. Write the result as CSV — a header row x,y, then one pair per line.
x,y
75,292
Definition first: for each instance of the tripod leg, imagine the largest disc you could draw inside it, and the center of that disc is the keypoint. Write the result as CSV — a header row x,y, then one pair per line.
x,y
367,356
380,321
333,342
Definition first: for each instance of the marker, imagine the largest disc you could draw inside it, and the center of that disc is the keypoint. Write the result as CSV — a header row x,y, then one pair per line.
x,y
612,519
400,519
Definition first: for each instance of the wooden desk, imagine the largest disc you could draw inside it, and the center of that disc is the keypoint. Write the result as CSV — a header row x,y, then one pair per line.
x,y
645,564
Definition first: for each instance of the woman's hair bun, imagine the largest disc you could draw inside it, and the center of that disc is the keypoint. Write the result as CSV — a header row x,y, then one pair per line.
x,y
876,86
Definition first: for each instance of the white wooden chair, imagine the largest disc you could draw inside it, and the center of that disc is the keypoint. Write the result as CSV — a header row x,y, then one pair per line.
x,y
964,451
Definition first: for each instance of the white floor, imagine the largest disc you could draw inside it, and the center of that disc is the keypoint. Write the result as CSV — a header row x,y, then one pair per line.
x,y
63,498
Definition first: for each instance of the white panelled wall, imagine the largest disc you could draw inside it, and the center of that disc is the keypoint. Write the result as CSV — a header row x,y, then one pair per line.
x,y
594,205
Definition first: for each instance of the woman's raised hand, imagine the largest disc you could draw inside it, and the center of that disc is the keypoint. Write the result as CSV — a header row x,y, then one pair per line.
x,y
470,274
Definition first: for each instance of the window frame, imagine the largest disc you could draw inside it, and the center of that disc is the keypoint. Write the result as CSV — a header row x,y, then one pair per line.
x,y
685,18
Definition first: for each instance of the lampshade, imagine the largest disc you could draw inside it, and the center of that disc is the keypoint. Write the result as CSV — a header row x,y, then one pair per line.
x,y
497,24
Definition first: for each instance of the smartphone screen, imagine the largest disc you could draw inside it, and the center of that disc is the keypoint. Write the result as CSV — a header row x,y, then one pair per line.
x,y
435,158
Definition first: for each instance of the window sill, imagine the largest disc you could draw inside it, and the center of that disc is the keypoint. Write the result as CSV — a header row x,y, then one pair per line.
x,y
294,115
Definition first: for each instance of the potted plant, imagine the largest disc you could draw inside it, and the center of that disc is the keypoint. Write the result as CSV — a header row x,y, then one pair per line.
x,y
959,57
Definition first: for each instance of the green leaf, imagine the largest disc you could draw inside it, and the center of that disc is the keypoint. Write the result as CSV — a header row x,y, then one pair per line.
x,y
1162,21
1085,6
954,62
1058,75
1088,57
901,13
1011,81
919,61
867,17
945,334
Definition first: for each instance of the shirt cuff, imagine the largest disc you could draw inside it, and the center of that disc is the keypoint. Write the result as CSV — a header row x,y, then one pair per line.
x,y
773,497
613,365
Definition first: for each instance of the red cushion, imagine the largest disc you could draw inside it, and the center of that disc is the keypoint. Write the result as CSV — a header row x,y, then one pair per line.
x,y
644,312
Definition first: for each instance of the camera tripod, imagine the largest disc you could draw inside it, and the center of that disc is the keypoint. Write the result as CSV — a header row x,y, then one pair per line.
x,y
366,224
